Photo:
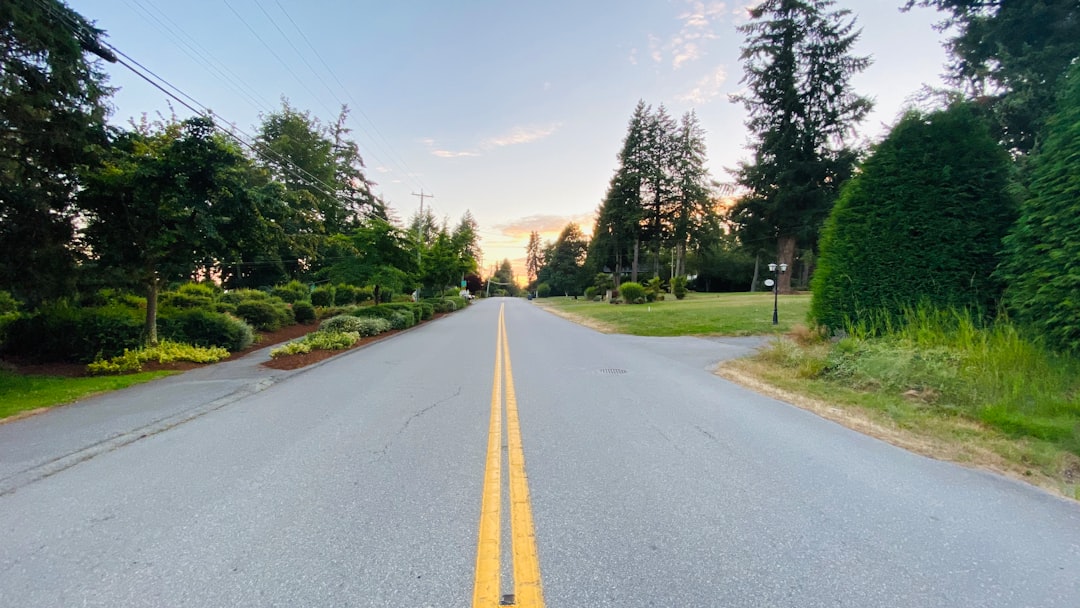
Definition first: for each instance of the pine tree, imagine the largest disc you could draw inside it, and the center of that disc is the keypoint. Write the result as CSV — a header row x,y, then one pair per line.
x,y
798,66
52,114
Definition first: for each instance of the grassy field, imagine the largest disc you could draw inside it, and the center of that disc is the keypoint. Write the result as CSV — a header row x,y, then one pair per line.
x,y
19,393
737,314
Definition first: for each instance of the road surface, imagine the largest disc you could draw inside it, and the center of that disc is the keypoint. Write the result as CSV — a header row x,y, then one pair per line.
x,y
647,481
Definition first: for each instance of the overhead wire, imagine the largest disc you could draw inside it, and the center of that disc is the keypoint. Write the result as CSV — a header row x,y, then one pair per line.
x,y
394,156
197,52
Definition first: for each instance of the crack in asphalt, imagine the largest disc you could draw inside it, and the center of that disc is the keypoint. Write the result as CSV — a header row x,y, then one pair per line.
x,y
386,448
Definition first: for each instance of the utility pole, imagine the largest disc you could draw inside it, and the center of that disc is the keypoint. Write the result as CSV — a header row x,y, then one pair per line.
x,y
420,224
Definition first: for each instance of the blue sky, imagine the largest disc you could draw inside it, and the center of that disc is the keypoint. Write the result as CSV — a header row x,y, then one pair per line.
x,y
513,110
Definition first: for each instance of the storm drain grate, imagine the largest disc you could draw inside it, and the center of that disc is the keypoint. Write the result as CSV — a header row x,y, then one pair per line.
x,y
612,371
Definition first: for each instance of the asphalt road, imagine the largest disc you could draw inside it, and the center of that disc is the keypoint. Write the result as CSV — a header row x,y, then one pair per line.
x,y
358,482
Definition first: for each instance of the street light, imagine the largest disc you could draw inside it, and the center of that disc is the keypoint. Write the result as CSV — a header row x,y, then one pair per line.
x,y
777,271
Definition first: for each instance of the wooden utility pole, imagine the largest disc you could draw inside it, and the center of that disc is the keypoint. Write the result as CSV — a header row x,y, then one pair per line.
x,y
420,224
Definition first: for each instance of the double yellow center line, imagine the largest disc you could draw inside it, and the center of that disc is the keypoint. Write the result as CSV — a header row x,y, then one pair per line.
x,y
526,565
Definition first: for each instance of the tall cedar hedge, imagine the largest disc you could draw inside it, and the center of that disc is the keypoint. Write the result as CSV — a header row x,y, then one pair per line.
x,y
1043,249
922,222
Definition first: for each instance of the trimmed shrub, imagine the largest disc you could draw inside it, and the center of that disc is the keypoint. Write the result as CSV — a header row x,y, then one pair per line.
x,y
410,307
225,307
921,223
67,333
303,311
632,292
403,319
237,296
379,312
265,315
163,352
459,302
178,299
590,293
332,340
543,290
364,294
205,328
296,347
342,323
291,292
427,310
323,296
678,287
333,311
441,305
344,294
204,290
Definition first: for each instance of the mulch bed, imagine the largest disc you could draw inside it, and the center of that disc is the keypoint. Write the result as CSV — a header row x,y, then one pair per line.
x,y
263,339
78,370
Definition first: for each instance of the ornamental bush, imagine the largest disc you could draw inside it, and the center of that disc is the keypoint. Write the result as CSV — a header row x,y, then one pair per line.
x,y
292,292
632,292
303,311
323,296
344,294
62,332
678,287
920,224
265,315
206,328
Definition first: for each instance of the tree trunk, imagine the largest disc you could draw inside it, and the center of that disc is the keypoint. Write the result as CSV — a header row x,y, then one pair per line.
x,y
757,267
150,329
634,264
616,277
680,260
785,246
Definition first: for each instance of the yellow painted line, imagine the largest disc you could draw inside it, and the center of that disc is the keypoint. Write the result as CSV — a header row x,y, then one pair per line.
x,y
486,584
528,591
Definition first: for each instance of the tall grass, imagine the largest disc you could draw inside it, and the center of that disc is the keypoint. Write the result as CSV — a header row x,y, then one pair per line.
x,y
951,361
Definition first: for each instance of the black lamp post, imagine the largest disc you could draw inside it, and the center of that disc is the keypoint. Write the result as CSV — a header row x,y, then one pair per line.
x,y
777,270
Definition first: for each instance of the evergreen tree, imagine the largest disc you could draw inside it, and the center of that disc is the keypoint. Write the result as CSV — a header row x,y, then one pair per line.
x,y
1044,247
52,114
922,222
533,259
798,66
1014,55
564,262
693,214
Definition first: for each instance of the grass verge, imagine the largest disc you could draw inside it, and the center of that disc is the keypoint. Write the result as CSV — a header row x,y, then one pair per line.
x,y
22,393
729,314
941,387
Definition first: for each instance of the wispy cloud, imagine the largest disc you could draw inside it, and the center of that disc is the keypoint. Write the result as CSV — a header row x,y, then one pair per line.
x,y
698,26
453,154
521,135
513,137
549,226
706,89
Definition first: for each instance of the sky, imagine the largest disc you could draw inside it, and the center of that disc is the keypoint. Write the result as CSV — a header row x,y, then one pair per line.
x,y
514,111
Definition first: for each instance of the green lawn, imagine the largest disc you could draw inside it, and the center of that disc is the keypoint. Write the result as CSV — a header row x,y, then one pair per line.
x,y
729,314
19,393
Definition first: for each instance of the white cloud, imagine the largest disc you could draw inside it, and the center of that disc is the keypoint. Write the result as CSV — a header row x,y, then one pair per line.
x,y
698,24
382,169
707,88
521,135
454,154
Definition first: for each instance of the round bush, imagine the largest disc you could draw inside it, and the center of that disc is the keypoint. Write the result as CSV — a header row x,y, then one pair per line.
x,y
291,292
68,333
323,296
344,294
632,292
342,323
303,311
264,315
590,293
205,328
237,296
543,290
